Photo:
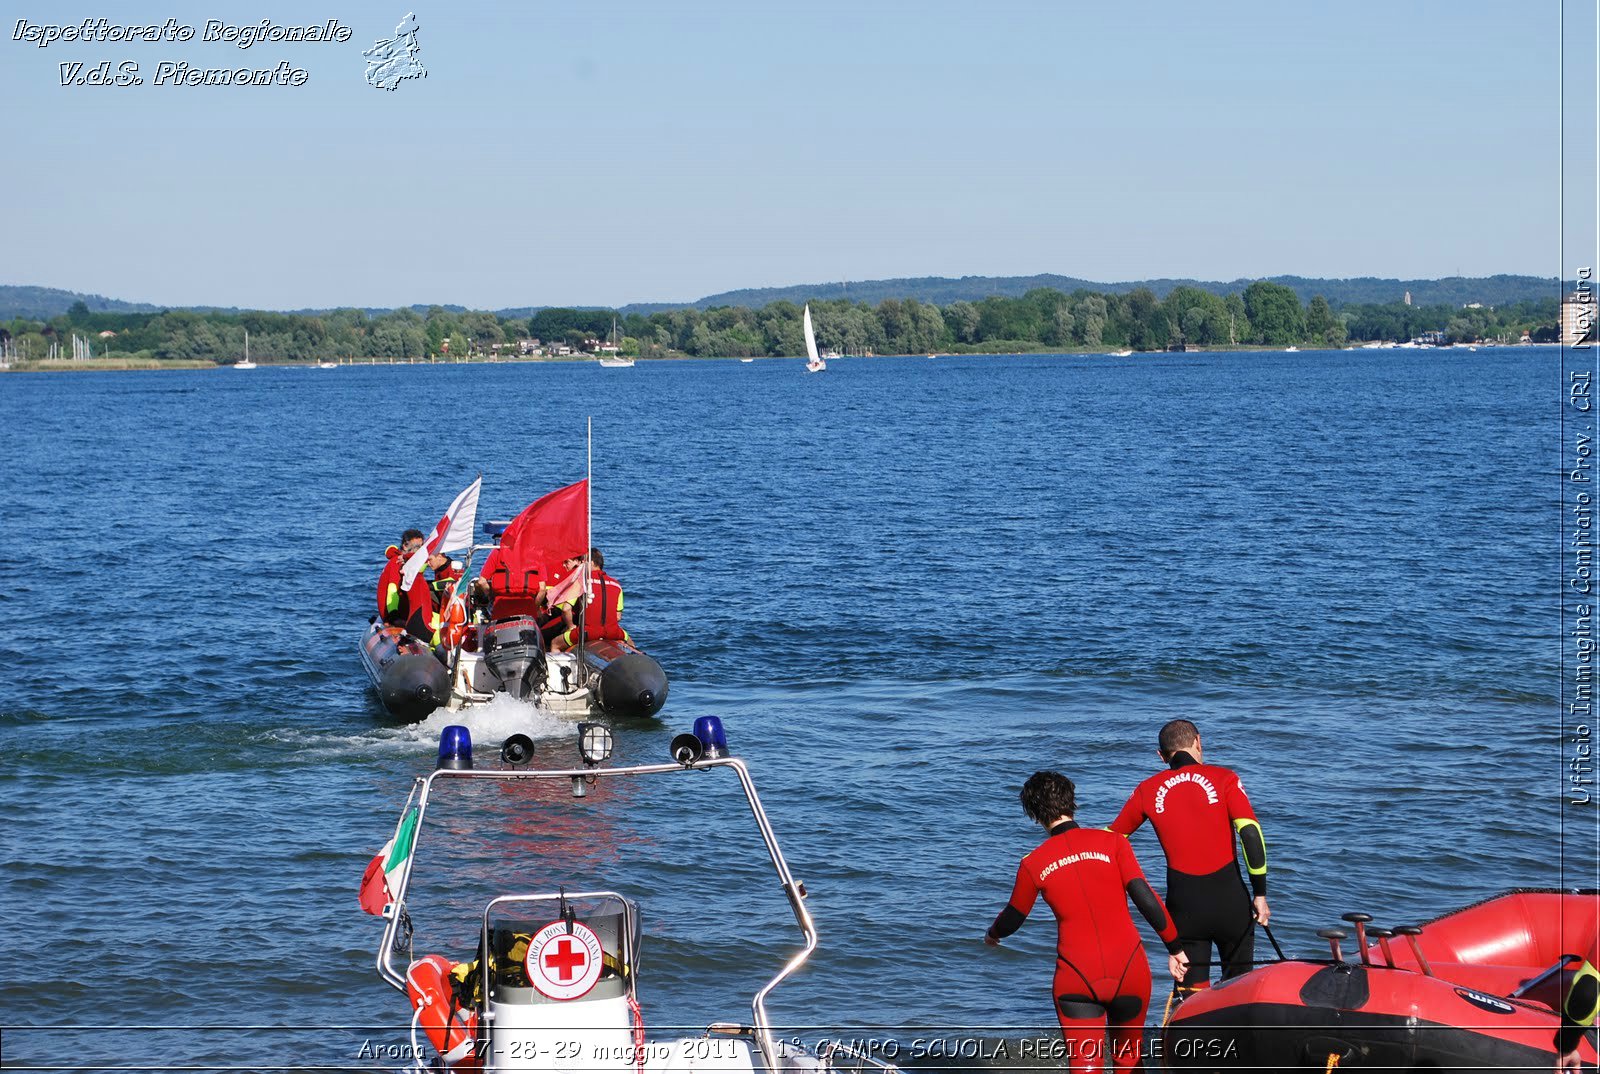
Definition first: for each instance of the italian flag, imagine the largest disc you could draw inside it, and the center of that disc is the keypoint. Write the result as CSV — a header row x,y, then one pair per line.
x,y
386,871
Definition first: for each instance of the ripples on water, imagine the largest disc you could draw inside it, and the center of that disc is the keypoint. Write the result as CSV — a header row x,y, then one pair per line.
x,y
904,586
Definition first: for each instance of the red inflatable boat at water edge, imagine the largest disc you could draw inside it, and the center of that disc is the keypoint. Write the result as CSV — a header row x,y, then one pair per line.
x,y
1478,989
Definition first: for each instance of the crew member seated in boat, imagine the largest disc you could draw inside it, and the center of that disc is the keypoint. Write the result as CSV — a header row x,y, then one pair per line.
x,y
565,581
1087,876
511,593
391,602
422,599
1578,1010
592,616
1196,808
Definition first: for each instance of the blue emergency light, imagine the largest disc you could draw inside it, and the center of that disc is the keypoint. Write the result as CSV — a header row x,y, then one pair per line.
x,y
708,729
455,747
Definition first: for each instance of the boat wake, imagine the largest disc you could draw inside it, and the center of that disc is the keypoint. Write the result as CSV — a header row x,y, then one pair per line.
x,y
491,723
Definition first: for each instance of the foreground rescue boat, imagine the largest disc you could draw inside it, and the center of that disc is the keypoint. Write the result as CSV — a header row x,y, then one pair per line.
x,y
1480,988
554,984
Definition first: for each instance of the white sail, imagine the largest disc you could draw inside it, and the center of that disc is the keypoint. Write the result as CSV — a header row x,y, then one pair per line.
x,y
814,362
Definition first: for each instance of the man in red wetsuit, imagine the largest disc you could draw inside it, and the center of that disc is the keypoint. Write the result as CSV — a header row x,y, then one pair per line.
x,y
1087,876
1195,809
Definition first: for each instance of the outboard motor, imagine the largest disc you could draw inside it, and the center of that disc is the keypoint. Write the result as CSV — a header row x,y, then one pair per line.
x,y
514,653
632,686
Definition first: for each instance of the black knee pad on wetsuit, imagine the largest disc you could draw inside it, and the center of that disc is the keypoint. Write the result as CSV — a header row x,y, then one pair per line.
x,y
1120,1009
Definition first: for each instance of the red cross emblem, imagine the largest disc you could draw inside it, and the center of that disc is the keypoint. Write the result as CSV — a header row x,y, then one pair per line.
x,y
564,960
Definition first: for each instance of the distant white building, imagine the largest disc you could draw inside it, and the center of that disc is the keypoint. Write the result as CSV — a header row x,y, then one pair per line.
x,y
1577,318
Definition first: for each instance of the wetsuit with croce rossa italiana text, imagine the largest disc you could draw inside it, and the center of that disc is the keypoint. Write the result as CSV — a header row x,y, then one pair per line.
x,y
1102,979
1196,809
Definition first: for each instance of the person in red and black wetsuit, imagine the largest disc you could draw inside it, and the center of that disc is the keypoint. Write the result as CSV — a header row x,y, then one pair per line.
x,y
1578,1008
1195,809
1087,876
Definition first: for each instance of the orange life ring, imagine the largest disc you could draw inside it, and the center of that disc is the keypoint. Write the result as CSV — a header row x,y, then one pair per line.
x,y
453,625
453,1032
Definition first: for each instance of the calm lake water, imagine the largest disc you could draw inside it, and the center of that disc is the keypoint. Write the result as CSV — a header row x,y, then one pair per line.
x,y
903,585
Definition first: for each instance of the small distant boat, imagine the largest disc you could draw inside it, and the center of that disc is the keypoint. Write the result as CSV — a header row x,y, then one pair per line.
x,y
245,362
746,361
1121,354
327,365
1291,350
814,362
615,361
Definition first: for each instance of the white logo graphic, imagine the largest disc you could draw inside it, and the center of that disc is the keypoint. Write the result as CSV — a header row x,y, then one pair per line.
x,y
1180,778
390,62
563,964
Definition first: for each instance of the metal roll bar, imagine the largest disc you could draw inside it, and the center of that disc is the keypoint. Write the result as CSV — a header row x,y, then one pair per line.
x,y
422,791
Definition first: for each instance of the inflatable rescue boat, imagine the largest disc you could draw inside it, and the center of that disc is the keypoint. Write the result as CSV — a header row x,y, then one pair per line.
x,y
491,640
1477,989
508,656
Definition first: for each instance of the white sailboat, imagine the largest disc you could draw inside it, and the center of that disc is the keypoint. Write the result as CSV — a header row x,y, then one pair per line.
x,y
245,363
615,360
814,362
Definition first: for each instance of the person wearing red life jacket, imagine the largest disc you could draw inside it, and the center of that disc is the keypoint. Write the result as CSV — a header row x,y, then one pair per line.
x,y
1087,876
511,595
597,615
1196,810
391,602
422,599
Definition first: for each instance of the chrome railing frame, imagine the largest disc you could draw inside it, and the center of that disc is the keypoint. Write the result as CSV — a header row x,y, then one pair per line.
x,y
422,791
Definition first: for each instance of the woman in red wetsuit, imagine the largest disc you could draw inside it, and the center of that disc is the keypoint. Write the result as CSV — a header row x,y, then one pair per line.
x,y
1087,876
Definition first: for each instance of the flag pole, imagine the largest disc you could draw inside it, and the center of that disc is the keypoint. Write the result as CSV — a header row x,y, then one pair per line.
x,y
588,529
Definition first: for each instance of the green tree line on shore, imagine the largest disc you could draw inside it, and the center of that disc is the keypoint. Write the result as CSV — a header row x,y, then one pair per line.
x,y
1264,314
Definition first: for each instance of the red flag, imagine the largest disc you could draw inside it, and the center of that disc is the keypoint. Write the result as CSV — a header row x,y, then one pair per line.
x,y
553,528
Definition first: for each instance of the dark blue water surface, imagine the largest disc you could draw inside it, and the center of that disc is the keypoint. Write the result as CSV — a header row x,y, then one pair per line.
x,y
903,585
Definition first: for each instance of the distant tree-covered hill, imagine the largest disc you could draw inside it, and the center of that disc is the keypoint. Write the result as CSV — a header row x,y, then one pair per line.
x,y
1454,290
43,303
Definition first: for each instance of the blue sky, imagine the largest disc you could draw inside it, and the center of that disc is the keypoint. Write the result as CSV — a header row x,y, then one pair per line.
x,y
604,153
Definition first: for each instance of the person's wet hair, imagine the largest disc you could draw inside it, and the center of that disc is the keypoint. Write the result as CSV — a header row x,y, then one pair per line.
x,y
1048,795
411,535
1176,735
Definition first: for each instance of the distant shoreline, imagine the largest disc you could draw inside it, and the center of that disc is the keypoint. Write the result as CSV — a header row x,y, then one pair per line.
x,y
133,365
